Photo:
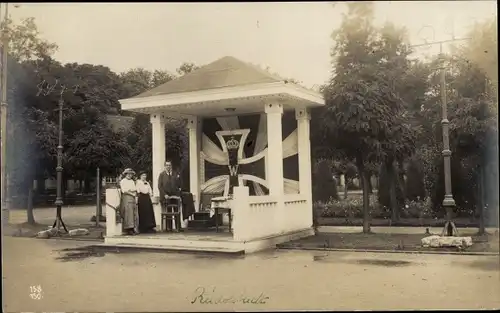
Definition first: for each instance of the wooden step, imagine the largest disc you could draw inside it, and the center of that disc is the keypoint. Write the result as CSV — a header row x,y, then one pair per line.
x,y
201,224
162,248
205,215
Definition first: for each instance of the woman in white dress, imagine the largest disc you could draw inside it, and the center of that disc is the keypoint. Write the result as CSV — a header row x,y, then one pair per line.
x,y
128,202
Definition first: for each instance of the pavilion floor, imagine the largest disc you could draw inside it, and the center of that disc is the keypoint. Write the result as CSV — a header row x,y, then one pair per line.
x,y
188,234
185,241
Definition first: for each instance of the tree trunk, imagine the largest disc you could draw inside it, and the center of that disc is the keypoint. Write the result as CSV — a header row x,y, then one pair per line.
x,y
481,202
87,184
345,188
366,197
401,180
392,179
370,187
393,200
29,208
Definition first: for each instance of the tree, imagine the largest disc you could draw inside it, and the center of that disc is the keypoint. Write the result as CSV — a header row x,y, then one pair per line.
x,y
29,130
97,146
25,42
363,116
396,70
473,129
482,50
139,80
186,67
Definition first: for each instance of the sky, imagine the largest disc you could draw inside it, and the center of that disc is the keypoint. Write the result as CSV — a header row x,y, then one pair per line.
x,y
293,39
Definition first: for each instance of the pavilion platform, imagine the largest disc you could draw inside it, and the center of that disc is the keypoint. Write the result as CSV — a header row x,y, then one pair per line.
x,y
200,241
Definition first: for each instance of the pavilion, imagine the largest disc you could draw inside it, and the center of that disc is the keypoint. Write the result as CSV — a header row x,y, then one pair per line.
x,y
248,138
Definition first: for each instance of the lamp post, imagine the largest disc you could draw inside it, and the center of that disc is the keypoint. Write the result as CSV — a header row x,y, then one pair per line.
x,y
448,202
59,200
3,117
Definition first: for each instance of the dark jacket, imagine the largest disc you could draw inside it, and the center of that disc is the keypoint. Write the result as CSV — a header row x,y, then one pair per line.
x,y
169,184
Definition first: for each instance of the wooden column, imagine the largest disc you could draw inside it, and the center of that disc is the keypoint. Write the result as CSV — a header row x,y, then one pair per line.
x,y
194,130
159,153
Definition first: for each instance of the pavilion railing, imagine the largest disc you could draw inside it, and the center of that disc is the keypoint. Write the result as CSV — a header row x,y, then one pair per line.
x,y
296,212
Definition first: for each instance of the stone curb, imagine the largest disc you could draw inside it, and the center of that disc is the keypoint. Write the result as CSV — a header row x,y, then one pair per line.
x,y
391,251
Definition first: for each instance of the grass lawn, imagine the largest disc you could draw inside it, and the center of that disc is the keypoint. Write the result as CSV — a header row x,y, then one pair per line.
x,y
373,241
404,222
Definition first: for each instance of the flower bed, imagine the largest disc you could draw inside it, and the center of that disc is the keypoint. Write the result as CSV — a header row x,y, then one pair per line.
x,y
353,208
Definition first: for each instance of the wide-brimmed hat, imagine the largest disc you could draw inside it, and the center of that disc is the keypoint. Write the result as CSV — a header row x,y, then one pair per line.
x,y
143,172
128,171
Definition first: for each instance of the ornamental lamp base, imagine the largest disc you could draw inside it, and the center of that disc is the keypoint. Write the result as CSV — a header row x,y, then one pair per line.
x,y
448,202
449,229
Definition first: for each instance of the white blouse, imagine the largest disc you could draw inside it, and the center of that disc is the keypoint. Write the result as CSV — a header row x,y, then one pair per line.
x,y
143,187
127,185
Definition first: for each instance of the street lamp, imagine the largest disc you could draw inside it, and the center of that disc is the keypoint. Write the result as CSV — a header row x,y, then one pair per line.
x,y
59,200
448,201
3,114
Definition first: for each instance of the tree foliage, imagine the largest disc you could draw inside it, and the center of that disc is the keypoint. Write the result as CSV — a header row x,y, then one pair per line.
x,y
25,42
89,93
138,80
186,67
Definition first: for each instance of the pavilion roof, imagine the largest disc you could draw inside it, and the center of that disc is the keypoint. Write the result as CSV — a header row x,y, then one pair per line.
x,y
225,72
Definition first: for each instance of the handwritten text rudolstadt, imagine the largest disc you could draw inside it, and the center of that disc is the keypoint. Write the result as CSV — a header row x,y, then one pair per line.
x,y
204,296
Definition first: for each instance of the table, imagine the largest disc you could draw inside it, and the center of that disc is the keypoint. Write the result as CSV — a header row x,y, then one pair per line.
x,y
221,205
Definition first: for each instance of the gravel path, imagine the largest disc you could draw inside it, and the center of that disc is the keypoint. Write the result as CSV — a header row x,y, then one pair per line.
x,y
275,280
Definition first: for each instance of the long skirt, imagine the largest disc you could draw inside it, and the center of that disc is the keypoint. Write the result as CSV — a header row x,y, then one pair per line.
x,y
147,220
128,212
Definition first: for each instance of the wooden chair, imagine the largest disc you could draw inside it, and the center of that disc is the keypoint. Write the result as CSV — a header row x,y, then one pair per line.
x,y
171,213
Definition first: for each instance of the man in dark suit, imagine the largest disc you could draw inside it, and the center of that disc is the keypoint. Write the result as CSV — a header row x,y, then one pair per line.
x,y
170,185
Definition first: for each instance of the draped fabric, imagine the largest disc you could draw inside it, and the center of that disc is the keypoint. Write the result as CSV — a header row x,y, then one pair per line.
x,y
187,204
220,170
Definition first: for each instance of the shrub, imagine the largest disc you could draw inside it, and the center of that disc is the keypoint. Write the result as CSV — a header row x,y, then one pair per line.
x,y
353,208
349,208
324,185
417,209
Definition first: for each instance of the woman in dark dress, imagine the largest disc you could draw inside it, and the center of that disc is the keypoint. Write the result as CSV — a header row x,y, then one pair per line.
x,y
147,221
